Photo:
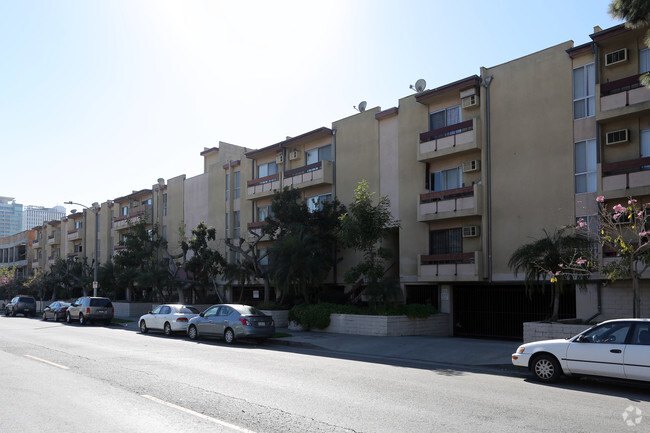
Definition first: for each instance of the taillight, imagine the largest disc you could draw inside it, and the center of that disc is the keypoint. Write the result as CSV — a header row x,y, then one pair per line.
x,y
64,309
243,321
87,310
182,319
112,310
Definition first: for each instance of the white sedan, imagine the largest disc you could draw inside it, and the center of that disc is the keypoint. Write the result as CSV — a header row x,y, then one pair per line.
x,y
168,318
615,348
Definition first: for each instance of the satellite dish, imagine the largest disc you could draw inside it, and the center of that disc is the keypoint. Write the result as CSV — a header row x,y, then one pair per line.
x,y
362,106
420,85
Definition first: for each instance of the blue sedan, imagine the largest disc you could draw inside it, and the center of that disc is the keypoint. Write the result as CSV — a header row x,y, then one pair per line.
x,y
231,322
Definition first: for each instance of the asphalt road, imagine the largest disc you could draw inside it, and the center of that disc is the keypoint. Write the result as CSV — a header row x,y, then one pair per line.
x,y
70,378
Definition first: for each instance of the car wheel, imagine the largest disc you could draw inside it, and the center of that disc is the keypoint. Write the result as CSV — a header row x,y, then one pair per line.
x,y
13,313
143,327
82,320
546,369
229,336
44,317
167,329
192,332
6,313
68,319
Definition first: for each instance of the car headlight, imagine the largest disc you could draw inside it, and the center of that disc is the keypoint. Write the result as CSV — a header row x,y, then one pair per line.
x,y
521,349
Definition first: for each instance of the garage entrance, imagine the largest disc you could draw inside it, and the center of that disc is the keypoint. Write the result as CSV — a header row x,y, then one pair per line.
x,y
500,311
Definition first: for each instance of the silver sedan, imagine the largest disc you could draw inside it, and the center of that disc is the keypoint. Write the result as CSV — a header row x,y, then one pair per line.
x,y
230,322
168,318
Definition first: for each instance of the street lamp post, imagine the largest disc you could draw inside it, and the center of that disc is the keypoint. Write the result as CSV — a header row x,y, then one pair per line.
x,y
95,208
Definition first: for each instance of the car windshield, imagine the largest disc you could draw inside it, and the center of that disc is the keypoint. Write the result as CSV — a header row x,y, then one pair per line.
x,y
100,302
188,310
28,300
247,310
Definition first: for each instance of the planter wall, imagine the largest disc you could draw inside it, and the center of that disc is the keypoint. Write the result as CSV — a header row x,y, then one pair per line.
x,y
536,331
280,317
354,324
131,309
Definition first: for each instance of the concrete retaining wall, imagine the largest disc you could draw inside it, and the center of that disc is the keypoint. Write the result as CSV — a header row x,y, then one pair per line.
x,y
536,331
354,324
280,317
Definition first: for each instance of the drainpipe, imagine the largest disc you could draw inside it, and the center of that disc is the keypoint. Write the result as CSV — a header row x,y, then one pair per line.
x,y
336,266
486,83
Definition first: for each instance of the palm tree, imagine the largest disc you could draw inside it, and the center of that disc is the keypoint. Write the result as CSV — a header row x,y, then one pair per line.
x,y
551,257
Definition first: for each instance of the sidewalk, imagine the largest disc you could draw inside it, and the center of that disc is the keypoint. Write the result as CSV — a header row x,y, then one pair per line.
x,y
445,350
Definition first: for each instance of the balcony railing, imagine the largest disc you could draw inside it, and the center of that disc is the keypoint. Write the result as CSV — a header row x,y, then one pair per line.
x,y
463,201
303,169
628,174
450,267
622,85
318,173
457,128
263,180
466,191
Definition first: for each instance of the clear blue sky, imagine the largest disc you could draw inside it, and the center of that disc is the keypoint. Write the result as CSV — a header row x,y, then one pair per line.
x,y
102,97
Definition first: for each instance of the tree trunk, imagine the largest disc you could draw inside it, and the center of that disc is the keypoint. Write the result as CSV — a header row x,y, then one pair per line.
x,y
556,305
181,294
636,301
267,290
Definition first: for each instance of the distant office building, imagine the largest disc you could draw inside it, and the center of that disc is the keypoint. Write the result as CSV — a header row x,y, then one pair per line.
x,y
11,216
36,215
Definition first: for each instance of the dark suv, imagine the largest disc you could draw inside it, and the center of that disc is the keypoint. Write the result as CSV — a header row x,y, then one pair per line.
x,y
21,304
89,309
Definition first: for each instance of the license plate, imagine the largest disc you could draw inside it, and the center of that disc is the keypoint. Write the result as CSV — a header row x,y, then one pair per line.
x,y
26,309
101,311
261,323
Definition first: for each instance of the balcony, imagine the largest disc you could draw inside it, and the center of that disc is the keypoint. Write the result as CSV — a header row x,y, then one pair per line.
x,y
73,235
51,260
263,186
450,139
452,203
255,231
318,173
626,178
620,97
36,263
450,267
36,243
133,217
54,239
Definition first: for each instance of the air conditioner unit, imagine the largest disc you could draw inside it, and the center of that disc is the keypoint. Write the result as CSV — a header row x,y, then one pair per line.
x,y
279,159
615,57
471,231
615,137
294,155
469,101
473,165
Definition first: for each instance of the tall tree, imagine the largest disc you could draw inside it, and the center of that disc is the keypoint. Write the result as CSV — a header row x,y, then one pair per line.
x,y
363,228
552,257
305,247
204,264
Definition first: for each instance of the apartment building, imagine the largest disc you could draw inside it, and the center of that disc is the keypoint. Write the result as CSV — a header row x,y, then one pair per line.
x,y
611,135
36,215
473,169
15,252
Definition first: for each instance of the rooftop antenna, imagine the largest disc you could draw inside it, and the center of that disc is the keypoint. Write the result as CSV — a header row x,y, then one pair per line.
x,y
420,85
362,106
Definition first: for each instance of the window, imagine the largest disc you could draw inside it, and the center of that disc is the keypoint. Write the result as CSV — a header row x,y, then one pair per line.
x,y
227,186
609,333
447,179
264,257
78,248
323,153
585,166
447,117
641,334
263,212
236,229
644,61
227,225
147,201
125,210
164,233
448,241
267,169
645,143
238,184
164,200
78,224
584,103
316,203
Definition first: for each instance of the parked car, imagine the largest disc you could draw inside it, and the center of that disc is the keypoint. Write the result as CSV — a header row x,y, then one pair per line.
x,y
168,318
90,309
615,348
231,322
56,310
21,304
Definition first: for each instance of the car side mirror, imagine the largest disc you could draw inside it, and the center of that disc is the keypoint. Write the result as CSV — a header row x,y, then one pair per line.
x,y
150,312
202,315
582,339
